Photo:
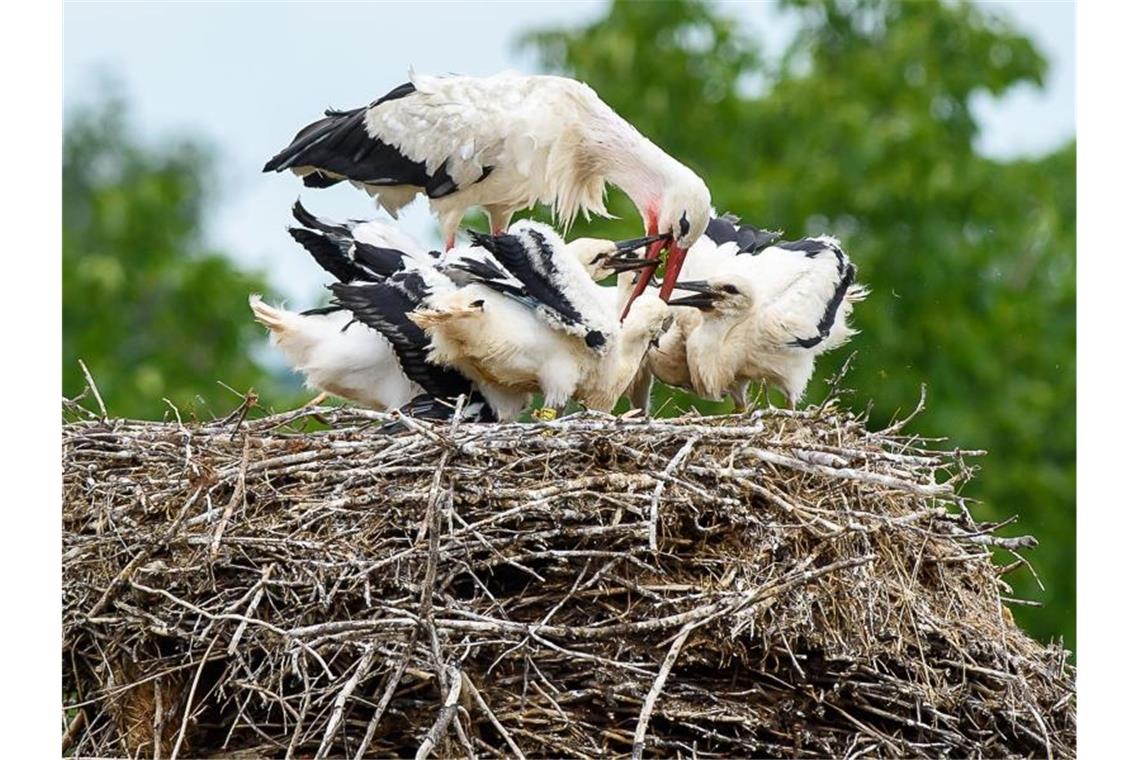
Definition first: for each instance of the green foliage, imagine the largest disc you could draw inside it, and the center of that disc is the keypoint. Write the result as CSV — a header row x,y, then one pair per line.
x,y
863,129
152,313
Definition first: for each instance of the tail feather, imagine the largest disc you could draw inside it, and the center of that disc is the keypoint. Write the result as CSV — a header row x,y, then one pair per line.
x,y
307,219
272,318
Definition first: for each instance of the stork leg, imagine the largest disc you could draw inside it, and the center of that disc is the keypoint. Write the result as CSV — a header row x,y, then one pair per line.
x,y
318,399
739,394
640,390
499,218
545,414
450,222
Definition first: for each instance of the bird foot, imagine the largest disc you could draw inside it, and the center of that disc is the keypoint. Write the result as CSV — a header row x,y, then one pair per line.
x,y
545,414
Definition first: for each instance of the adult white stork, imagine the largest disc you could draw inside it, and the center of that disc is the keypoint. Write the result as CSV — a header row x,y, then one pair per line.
x,y
503,143
768,309
533,319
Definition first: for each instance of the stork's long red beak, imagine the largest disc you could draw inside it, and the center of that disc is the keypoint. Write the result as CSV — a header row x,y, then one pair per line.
x,y
646,275
672,270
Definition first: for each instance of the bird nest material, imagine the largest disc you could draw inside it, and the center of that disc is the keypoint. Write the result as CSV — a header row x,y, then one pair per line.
x,y
783,584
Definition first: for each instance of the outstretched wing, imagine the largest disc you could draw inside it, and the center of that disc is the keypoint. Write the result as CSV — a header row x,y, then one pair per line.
x,y
384,307
476,265
357,251
558,284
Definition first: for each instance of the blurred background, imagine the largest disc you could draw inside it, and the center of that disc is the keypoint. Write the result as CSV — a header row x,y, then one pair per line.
x,y
935,139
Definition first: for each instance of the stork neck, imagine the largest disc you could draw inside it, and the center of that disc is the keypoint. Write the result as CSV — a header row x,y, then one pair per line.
x,y
632,162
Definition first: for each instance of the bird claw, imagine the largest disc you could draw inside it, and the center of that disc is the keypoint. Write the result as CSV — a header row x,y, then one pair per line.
x,y
545,414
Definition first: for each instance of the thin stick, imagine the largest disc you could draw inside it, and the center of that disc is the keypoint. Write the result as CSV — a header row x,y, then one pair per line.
x,y
679,457
341,698
190,700
238,496
491,717
658,685
445,716
94,389
73,728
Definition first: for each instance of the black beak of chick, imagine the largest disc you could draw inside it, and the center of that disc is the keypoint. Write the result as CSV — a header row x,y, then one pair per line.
x,y
623,260
631,245
620,263
704,295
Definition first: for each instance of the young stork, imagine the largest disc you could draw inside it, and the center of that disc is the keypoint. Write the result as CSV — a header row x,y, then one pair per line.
x,y
504,143
380,365
667,359
768,309
533,319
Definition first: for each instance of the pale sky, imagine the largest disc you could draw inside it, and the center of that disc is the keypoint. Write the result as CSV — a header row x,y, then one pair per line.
x,y
247,76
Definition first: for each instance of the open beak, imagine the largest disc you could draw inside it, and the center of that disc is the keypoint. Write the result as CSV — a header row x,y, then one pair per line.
x,y
646,274
628,263
629,246
703,299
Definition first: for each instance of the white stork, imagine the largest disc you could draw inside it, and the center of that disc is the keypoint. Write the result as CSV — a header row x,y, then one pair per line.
x,y
379,363
503,143
538,322
385,279
768,309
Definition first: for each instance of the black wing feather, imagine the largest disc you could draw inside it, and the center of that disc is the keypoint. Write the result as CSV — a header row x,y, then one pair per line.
x,y
339,146
339,143
748,238
382,262
466,270
384,307
330,255
537,277
811,247
426,407
307,219
827,321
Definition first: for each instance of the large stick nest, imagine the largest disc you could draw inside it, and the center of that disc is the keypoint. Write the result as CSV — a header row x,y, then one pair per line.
x,y
784,584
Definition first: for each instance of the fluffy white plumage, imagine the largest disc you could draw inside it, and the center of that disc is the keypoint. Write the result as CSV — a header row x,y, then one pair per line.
x,y
338,356
767,316
492,336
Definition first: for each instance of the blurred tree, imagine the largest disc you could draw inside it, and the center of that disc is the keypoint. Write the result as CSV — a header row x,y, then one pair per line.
x,y
149,309
863,128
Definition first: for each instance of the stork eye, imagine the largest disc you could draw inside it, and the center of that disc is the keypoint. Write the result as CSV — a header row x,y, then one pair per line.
x,y
684,223
731,289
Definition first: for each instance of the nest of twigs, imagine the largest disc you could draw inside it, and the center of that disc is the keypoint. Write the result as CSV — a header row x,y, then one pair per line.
x,y
783,584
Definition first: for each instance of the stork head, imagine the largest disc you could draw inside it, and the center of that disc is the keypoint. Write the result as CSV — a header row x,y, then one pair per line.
x,y
683,213
724,295
601,258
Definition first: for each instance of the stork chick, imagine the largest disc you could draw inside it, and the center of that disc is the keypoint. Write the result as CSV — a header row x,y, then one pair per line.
x,y
552,329
337,355
364,348
496,338
767,316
